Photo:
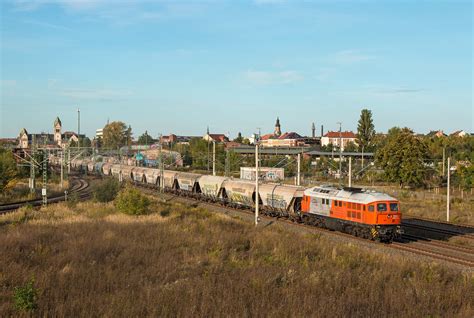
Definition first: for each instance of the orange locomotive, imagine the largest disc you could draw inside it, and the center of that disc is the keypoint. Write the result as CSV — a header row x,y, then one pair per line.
x,y
360,212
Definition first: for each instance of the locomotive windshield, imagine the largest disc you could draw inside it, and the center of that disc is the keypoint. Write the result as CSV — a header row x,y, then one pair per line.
x,y
394,207
381,207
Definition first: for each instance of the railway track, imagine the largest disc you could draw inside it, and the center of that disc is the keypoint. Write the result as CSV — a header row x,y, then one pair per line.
x,y
80,187
417,245
433,231
467,227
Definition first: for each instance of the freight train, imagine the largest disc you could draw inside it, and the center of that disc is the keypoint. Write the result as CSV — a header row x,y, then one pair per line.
x,y
360,212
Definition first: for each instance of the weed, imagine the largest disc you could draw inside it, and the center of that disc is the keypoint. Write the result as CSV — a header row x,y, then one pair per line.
x,y
25,297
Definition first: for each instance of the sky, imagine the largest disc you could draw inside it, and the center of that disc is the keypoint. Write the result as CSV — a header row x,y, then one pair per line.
x,y
181,66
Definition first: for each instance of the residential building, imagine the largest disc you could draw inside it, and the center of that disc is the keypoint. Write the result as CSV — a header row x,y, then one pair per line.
x,y
56,139
175,139
459,133
279,139
215,137
99,133
437,133
339,139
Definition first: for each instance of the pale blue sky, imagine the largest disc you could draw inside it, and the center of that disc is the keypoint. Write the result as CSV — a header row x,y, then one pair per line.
x,y
179,66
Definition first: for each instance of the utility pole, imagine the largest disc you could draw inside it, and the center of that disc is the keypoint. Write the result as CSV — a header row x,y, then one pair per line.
x,y
298,177
62,169
68,161
257,190
208,150
340,152
444,160
449,189
227,163
350,172
78,128
213,157
162,177
32,166
45,178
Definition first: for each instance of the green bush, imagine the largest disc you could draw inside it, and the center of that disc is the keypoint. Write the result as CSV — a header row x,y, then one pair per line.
x,y
106,190
131,201
72,200
25,297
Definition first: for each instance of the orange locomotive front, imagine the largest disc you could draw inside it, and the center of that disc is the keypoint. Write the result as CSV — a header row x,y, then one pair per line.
x,y
363,213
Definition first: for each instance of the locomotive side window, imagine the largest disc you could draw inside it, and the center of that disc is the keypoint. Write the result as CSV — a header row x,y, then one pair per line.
x,y
382,207
394,207
371,208
340,204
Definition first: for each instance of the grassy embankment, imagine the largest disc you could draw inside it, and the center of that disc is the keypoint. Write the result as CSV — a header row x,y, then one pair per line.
x,y
21,191
89,260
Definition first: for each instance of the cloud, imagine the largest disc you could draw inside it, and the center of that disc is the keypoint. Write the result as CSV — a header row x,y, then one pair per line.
x,y
400,91
95,94
119,12
263,2
30,5
47,25
350,57
268,78
392,90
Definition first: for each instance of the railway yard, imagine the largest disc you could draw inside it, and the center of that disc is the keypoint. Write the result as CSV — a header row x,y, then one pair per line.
x,y
422,238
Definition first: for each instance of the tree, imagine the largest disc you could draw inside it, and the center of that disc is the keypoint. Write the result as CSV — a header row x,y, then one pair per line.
x,y
145,139
106,190
86,142
239,138
8,170
116,135
402,157
128,136
365,130
131,201
350,147
198,148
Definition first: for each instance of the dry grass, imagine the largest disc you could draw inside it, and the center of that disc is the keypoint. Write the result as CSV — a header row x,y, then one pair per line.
x,y
428,204
90,261
21,191
461,211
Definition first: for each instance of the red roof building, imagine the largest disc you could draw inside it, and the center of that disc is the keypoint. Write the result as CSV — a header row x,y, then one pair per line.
x,y
337,138
216,137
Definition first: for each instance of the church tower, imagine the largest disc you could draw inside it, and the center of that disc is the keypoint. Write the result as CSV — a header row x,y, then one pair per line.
x,y
277,128
57,131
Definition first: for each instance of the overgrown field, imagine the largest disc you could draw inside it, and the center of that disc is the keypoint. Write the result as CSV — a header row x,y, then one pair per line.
x,y
89,260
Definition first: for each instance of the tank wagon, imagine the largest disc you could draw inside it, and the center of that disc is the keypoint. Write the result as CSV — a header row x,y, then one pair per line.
x,y
360,212
152,177
281,200
239,193
212,188
188,184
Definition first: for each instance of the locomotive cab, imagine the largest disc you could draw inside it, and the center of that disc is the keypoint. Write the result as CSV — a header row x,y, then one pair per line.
x,y
388,219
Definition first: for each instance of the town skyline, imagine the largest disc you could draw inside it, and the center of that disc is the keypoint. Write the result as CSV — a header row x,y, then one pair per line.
x,y
179,68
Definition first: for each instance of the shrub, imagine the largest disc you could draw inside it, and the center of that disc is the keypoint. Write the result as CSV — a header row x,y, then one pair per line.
x,y
25,297
72,200
131,201
106,190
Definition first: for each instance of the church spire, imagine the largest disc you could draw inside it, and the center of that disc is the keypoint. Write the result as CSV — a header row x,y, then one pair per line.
x,y
277,127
